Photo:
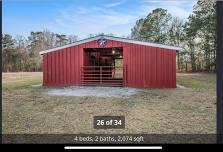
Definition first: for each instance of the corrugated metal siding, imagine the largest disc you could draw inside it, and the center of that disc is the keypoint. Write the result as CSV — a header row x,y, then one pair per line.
x,y
150,67
146,66
62,68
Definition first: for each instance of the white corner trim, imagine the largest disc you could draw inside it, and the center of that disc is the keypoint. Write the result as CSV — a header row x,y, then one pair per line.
x,y
115,39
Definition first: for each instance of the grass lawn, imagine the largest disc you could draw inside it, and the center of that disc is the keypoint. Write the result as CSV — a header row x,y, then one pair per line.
x,y
190,110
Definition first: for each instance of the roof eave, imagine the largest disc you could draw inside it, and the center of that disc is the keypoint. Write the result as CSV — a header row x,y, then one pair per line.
x,y
113,38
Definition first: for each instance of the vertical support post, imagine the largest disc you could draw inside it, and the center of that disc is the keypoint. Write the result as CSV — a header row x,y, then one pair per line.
x,y
100,74
125,77
81,75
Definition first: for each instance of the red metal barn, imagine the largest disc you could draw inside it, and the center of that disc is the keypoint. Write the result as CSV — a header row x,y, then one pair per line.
x,y
110,61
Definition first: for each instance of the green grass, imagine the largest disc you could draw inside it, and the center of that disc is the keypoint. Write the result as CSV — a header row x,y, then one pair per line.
x,y
20,84
198,81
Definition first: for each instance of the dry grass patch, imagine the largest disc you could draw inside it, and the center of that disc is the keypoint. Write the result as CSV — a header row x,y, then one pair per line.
x,y
189,111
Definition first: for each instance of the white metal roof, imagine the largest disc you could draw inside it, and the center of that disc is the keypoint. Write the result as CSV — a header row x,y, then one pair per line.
x,y
115,39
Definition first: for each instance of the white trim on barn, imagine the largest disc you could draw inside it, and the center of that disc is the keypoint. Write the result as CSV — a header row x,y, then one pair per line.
x,y
174,48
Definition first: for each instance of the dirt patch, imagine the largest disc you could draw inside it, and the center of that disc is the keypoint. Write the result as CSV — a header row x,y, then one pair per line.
x,y
93,91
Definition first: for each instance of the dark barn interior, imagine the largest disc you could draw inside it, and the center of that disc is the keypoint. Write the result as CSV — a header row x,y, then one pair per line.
x,y
103,56
103,66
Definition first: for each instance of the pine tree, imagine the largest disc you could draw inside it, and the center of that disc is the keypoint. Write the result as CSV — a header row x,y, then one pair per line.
x,y
154,27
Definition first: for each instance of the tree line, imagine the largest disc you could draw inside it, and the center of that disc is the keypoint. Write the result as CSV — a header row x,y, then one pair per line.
x,y
22,54
196,35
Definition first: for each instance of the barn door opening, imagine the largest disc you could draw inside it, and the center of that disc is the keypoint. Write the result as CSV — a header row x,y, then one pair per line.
x,y
103,66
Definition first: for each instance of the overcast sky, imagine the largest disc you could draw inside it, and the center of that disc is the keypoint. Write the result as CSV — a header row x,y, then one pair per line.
x,y
84,17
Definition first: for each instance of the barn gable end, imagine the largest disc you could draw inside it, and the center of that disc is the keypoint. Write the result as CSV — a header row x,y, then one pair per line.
x,y
145,64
